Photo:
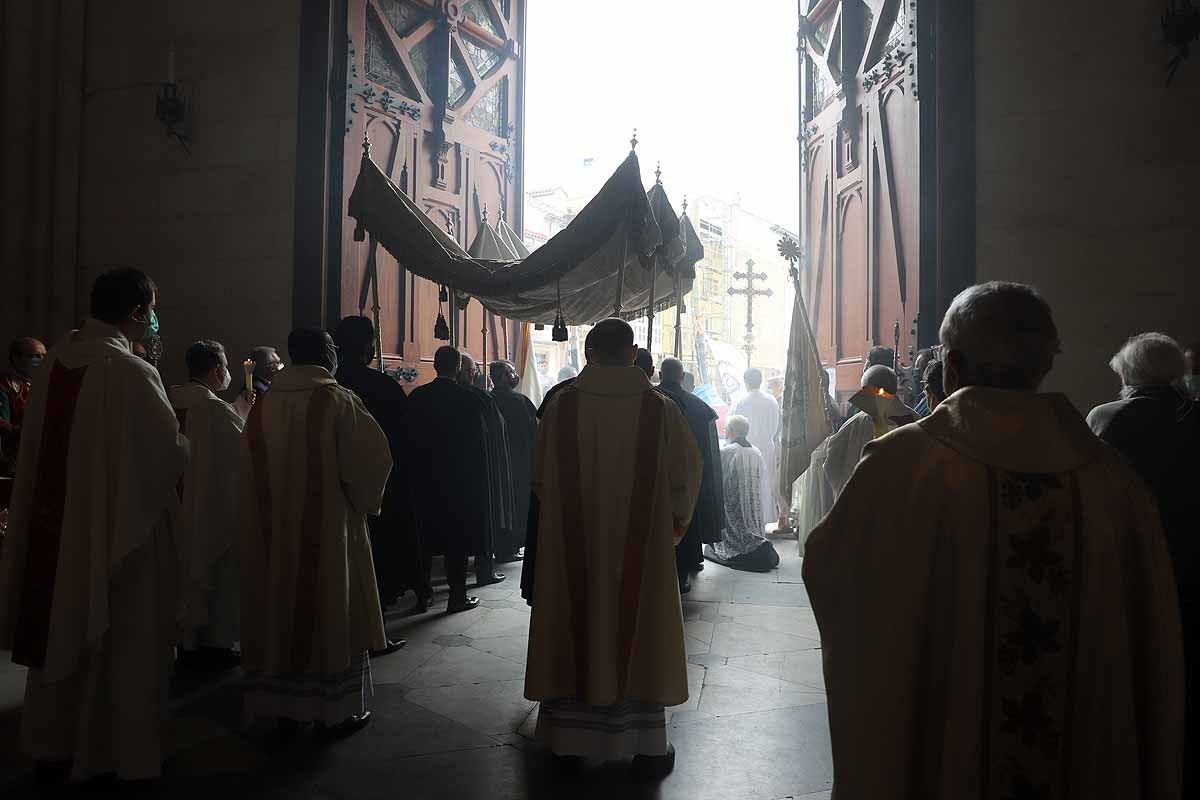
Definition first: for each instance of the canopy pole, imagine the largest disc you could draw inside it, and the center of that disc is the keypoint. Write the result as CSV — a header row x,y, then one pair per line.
x,y
678,314
402,309
373,277
624,258
650,307
483,312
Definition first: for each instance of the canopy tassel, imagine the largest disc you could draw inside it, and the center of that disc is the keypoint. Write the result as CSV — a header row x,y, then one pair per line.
x,y
441,330
559,333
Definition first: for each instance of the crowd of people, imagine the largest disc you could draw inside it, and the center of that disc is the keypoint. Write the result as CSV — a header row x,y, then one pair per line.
x,y
1031,633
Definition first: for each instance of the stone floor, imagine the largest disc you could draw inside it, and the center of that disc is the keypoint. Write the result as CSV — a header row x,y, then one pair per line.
x,y
451,720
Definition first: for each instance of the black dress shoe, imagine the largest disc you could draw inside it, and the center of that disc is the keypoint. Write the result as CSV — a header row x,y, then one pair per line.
x,y
422,605
685,585
496,578
392,646
327,733
655,767
465,604
508,558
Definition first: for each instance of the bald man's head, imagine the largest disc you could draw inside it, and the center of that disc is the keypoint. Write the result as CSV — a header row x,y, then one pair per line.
x,y
610,344
880,377
26,354
671,370
644,361
467,370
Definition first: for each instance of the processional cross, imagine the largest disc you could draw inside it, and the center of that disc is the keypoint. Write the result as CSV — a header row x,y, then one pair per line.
x,y
750,276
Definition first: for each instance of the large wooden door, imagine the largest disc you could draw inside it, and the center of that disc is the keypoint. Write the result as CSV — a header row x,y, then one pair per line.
x,y
437,86
860,185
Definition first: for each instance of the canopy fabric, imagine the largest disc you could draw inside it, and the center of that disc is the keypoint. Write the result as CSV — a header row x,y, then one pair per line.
x,y
614,248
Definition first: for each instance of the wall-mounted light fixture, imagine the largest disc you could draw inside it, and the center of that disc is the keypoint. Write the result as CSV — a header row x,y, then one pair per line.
x,y
172,109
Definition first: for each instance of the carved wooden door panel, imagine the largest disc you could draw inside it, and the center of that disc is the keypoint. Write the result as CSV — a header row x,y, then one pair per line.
x,y
437,86
860,185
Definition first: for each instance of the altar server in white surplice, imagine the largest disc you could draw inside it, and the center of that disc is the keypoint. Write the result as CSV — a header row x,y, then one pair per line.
x,y
209,522
88,592
762,411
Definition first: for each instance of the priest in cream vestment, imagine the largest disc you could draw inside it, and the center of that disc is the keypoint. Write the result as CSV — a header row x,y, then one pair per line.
x,y
883,412
209,521
1019,637
616,473
88,594
315,464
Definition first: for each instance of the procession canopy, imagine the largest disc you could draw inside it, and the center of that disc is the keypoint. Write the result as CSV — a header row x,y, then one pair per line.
x,y
615,245
676,255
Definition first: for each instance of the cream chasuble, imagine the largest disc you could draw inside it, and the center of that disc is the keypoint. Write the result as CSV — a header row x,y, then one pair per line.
x,y
88,592
616,471
998,613
315,463
209,520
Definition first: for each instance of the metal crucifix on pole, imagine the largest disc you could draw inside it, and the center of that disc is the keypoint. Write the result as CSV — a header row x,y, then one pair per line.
x,y
750,276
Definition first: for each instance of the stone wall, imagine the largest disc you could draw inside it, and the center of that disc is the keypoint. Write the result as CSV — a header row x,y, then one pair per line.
x,y
1086,166
214,227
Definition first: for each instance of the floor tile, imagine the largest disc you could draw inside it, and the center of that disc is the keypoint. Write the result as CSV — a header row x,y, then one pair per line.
x,y
694,610
395,667
792,621
514,648
399,728
455,665
707,591
771,594
735,639
804,669
760,756
699,629
493,708
500,622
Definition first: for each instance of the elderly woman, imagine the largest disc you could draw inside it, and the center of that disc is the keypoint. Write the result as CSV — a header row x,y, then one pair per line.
x,y
743,545
1156,426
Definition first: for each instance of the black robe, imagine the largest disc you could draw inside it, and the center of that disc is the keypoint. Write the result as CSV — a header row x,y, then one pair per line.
x,y
499,474
520,428
1157,429
449,481
702,421
710,507
395,546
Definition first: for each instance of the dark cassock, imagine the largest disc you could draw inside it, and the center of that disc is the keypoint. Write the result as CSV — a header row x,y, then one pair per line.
x,y
705,527
1157,429
499,481
520,427
448,478
531,521
395,545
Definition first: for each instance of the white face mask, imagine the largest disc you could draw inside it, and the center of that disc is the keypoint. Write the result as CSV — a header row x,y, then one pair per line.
x,y
225,381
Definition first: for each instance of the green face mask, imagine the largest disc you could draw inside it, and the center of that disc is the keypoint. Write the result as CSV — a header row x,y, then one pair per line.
x,y
1192,382
152,330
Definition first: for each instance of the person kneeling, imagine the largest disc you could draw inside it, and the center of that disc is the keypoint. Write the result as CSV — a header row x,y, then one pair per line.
x,y
743,545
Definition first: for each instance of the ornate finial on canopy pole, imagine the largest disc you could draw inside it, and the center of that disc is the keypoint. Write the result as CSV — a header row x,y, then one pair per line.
x,y
633,143
658,173
684,205
366,145
485,213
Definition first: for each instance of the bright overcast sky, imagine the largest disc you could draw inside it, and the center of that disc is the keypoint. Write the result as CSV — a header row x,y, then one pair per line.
x,y
710,87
